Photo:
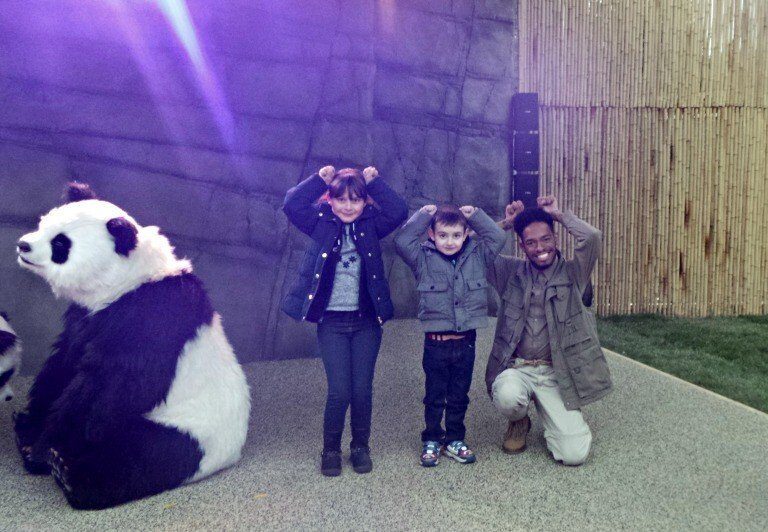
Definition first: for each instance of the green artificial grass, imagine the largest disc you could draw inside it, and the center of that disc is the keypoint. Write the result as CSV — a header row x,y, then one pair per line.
x,y
726,355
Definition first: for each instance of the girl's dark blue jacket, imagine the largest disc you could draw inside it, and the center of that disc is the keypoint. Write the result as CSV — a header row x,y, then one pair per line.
x,y
309,295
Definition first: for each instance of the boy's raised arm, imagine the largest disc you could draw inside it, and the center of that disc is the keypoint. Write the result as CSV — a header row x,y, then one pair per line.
x,y
492,237
407,241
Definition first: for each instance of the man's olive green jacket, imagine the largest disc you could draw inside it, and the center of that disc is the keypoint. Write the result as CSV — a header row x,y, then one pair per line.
x,y
577,359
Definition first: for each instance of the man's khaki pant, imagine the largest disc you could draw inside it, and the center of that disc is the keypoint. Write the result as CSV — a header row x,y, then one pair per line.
x,y
567,434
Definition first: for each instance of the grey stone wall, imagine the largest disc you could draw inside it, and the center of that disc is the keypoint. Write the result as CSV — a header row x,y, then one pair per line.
x,y
204,142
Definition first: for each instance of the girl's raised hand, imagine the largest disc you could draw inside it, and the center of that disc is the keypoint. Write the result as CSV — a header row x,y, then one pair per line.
x,y
370,173
327,173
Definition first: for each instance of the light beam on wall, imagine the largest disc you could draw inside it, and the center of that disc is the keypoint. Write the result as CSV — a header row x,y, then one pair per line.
x,y
387,16
141,55
177,14
178,18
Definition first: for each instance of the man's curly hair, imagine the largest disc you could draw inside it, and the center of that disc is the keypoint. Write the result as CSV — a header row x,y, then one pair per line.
x,y
529,216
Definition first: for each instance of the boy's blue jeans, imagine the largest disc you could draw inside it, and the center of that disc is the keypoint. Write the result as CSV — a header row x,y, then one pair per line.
x,y
448,368
349,344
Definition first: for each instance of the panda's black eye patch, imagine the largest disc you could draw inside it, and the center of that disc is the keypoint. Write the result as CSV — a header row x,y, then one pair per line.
x,y
60,246
7,340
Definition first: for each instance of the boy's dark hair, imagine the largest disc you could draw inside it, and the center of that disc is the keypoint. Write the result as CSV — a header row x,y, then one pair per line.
x,y
348,179
448,215
529,216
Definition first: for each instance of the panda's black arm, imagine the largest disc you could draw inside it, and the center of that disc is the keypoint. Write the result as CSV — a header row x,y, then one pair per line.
x,y
53,378
99,399
122,397
57,373
65,417
48,386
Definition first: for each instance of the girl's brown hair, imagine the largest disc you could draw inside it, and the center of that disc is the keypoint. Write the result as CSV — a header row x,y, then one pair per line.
x,y
348,179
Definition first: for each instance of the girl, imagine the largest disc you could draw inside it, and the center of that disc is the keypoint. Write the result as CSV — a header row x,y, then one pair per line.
x,y
342,287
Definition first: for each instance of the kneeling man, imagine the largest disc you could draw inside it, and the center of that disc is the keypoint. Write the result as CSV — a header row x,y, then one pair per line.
x,y
546,347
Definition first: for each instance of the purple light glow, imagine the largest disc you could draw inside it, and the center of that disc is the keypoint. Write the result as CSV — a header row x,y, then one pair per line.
x,y
143,58
387,14
177,14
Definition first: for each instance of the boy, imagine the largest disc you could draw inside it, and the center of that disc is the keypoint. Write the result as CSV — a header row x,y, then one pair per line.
x,y
450,271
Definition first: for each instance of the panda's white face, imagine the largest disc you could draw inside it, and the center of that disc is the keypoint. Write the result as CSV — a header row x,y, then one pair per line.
x,y
72,247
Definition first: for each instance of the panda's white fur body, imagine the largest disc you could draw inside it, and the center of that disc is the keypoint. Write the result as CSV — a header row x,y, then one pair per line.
x,y
10,358
208,400
136,309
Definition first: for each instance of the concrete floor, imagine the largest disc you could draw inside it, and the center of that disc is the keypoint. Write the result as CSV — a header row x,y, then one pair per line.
x,y
666,456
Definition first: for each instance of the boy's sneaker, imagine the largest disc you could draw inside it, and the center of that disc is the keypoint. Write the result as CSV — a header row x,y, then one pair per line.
x,y
330,463
459,451
430,453
361,460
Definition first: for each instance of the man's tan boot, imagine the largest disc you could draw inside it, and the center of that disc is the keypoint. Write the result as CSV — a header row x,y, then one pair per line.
x,y
514,439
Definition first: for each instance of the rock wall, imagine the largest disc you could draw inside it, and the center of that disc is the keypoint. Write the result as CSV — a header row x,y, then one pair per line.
x,y
198,118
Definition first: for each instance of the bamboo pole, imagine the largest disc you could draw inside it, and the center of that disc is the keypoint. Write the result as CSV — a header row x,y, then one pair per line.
x,y
668,103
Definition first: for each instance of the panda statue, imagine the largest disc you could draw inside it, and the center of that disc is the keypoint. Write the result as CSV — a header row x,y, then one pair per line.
x,y
142,391
10,357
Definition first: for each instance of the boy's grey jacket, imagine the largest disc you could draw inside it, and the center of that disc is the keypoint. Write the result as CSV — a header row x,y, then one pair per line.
x,y
579,363
451,298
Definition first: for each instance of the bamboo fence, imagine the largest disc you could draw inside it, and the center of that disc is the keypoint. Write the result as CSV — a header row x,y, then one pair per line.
x,y
654,128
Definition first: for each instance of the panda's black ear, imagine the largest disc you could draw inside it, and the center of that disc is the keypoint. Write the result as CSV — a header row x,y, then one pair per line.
x,y
76,191
5,316
124,233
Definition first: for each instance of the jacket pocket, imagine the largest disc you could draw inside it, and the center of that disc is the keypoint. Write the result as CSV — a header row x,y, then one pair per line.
x,y
476,284
564,308
511,310
589,371
512,314
434,300
476,296
569,314
574,338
